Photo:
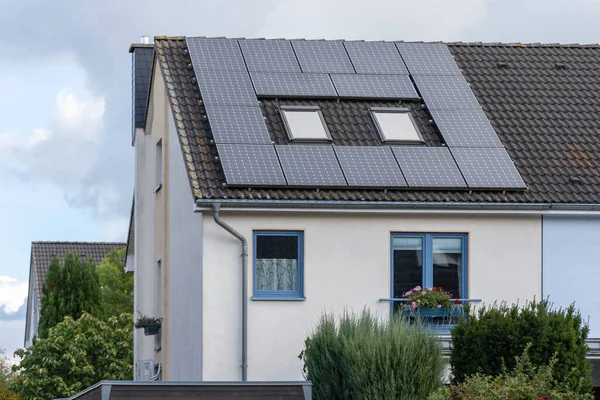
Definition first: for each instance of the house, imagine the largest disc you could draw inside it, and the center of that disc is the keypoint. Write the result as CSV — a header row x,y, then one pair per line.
x,y
42,254
277,179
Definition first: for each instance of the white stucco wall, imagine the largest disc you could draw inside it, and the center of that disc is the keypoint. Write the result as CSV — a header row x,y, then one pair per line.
x,y
184,302
572,265
347,264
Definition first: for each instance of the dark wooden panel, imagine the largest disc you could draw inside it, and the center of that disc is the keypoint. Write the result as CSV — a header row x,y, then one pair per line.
x,y
258,392
94,394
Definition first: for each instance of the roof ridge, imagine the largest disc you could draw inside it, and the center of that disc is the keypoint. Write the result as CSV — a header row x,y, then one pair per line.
x,y
452,43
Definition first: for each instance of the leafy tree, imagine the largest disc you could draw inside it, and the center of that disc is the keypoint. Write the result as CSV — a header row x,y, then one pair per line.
x,y
75,355
6,377
116,286
70,289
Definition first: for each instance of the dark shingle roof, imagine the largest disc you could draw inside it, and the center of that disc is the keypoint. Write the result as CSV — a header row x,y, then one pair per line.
x,y
543,101
42,254
141,70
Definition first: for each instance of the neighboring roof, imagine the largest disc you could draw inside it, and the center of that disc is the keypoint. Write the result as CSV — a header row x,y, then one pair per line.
x,y
543,101
42,254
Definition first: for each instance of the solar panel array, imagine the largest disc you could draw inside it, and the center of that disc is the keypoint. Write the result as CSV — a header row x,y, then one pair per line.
x,y
232,73
321,57
233,124
369,166
374,86
428,167
310,166
250,165
375,58
293,85
269,56
487,168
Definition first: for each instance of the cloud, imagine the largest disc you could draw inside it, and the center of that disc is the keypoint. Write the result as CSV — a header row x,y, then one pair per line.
x,y
13,295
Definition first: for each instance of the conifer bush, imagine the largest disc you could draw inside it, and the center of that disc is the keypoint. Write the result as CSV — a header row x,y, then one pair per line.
x,y
362,357
493,336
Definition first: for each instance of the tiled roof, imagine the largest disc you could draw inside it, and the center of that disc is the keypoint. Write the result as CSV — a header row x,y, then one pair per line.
x,y
42,254
543,101
143,55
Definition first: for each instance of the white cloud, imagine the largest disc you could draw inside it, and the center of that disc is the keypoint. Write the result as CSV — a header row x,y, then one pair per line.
x,y
12,294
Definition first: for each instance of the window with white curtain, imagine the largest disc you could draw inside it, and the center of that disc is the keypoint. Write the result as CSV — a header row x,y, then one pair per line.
x,y
278,265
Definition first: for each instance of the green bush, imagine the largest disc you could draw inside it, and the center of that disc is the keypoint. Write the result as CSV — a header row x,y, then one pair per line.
x,y
495,335
363,358
524,382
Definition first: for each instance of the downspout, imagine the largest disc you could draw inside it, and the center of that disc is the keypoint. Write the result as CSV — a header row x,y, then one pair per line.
x,y
241,238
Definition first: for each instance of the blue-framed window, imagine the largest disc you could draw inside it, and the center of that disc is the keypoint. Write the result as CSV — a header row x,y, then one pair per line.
x,y
278,265
429,260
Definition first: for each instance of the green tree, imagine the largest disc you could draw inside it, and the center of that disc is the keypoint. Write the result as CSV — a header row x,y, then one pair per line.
x,y
75,355
116,286
70,289
6,377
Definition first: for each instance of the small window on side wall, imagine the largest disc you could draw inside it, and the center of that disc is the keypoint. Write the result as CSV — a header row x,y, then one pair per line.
x,y
396,125
305,123
278,265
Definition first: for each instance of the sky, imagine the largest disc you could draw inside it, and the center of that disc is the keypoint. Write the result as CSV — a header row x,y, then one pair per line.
x,y
66,161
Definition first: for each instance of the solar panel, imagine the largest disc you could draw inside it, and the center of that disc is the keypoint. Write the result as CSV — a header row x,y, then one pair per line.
x,y
428,166
375,58
369,166
310,165
269,56
234,124
322,57
466,128
488,168
428,59
223,88
446,92
292,84
374,86
250,165
215,54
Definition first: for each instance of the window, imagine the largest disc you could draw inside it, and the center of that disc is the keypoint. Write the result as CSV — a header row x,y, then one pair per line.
x,y
278,269
429,260
395,125
305,123
159,166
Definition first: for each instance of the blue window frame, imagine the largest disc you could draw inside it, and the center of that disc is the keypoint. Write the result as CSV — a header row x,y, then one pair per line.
x,y
428,260
278,265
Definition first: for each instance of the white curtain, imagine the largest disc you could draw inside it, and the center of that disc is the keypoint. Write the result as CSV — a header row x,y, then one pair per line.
x,y
276,274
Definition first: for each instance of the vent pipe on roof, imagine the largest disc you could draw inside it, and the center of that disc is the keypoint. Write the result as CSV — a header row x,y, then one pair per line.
x,y
145,40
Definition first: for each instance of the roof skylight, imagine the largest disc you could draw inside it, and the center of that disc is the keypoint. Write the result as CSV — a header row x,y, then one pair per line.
x,y
305,123
395,125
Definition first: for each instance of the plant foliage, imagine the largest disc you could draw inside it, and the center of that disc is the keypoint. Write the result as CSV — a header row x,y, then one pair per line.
x,y
144,320
6,377
116,286
75,355
361,357
434,297
493,336
70,289
525,382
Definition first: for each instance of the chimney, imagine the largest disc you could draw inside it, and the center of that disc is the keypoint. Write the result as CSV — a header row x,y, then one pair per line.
x,y
142,57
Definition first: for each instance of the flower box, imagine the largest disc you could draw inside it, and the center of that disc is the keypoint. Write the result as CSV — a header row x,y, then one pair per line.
x,y
434,312
151,329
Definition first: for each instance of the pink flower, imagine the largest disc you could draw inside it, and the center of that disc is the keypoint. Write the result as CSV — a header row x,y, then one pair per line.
x,y
439,306
414,305
423,292
408,293
417,288
430,289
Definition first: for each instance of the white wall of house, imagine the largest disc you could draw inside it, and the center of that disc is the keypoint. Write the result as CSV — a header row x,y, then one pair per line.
x,y
346,264
144,233
183,305
572,265
32,311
